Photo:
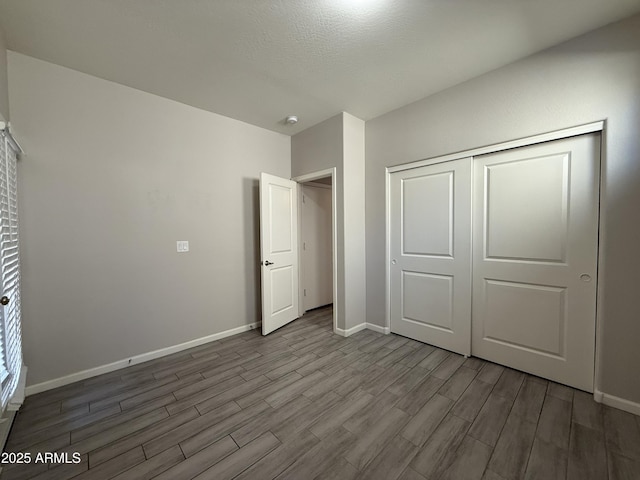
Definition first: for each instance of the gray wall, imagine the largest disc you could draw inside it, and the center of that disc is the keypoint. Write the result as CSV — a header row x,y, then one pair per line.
x,y
112,178
593,77
339,142
354,221
4,89
315,149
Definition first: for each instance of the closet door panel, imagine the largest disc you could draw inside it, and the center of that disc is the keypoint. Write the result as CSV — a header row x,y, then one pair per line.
x,y
430,220
535,258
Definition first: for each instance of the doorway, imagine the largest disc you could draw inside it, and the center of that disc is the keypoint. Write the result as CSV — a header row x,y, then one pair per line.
x,y
316,249
317,241
280,249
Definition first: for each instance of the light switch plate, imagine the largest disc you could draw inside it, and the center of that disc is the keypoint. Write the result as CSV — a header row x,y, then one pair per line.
x,y
182,246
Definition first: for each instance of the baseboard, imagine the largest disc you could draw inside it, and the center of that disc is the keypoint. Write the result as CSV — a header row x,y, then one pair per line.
x,y
127,362
350,331
378,328
617,402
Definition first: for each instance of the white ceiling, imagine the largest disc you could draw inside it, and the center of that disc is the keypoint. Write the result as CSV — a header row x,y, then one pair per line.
x,y
261,60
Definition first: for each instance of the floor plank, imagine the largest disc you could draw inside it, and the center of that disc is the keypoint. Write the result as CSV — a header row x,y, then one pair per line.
x,y
487,426
547,462
587,454
438,452
554,424
511,453
427,419
238,461
469,462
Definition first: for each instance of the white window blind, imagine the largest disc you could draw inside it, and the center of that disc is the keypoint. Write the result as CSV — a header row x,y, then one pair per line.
x,y
11,335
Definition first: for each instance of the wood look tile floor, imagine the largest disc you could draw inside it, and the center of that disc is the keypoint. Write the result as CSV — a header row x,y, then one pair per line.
x,y
304,403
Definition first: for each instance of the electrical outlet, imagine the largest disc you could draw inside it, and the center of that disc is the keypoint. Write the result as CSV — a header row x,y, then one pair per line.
x,y
182,246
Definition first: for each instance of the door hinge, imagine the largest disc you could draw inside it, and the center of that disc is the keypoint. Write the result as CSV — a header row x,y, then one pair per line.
x,y
305,292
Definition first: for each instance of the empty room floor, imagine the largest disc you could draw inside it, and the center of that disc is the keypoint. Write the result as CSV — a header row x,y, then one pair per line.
x,y
304,403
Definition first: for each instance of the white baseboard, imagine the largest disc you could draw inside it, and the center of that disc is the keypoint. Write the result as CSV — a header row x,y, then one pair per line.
x,y
350,331
617,402
378,328
362,326
127,362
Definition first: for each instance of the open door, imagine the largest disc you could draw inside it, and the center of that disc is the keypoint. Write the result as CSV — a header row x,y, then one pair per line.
x,y
278,251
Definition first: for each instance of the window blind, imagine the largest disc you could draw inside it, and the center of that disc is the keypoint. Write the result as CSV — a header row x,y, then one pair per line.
x,y
11,341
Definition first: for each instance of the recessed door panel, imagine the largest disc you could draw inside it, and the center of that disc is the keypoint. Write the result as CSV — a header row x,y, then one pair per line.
x,y
526,209
427,215
535,248
525,316
428,299
280,211
281,297
430,220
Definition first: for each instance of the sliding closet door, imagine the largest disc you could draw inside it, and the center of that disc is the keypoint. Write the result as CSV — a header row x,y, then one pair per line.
x,y
430,222
535,258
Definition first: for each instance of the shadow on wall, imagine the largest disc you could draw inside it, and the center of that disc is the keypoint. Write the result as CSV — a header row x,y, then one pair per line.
x,y
251,213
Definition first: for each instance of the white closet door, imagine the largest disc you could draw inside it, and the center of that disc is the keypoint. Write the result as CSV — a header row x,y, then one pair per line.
x,y
535,258
430,222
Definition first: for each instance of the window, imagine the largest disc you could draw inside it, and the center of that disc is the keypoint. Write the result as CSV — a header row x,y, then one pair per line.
x,y
11,335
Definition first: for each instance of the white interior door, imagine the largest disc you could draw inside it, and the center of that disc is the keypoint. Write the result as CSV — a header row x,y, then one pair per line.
x,y
278,251
317,246
535,258
430,221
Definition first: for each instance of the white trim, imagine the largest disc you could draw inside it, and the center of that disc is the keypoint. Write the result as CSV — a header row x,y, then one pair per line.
x,y
329,172
5,127
359,328
378,328
318,185
351,331
387,250
616,402
498,147
127,362
602,238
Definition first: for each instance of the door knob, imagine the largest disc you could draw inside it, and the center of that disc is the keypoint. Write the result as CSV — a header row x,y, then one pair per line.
x,y
267,263
585,277
4,300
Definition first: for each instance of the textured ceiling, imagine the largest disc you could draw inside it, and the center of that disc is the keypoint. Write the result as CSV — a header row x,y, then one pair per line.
x,y
261,60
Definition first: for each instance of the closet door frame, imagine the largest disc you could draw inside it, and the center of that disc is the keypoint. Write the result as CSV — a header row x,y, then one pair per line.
x,y
599,126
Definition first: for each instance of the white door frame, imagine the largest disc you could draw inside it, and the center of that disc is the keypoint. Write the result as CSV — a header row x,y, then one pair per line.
x,y
598,126
329,172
